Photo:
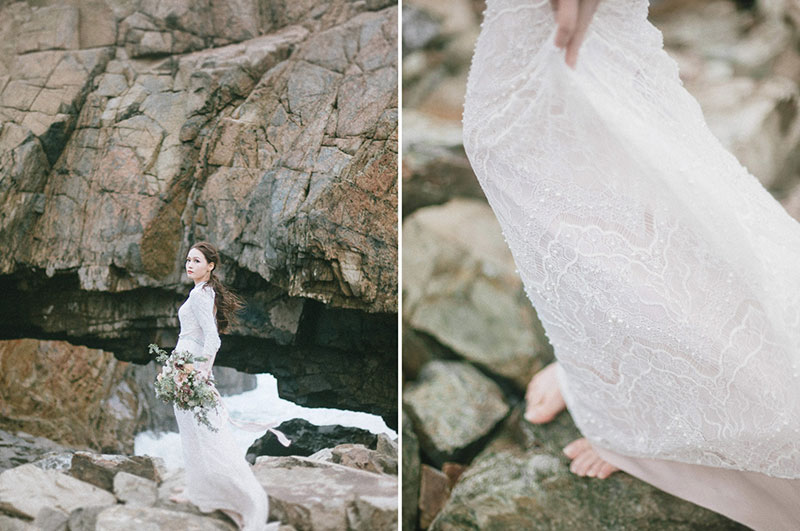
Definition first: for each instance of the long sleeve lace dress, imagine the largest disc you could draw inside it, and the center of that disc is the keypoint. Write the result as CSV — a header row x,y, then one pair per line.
x,y
217,474
665,275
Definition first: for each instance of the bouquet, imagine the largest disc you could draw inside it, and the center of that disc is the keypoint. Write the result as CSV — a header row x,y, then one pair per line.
x,y
180,383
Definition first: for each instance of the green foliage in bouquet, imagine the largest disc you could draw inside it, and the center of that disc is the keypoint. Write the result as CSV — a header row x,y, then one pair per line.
x,y
183,385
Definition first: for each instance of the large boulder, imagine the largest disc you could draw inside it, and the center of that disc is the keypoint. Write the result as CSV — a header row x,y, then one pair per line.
x,y
521,480
317,495
435,166
102,469
460,286
21,448
27,489
360,457
454,408
135,490
73,395
124,517
308,438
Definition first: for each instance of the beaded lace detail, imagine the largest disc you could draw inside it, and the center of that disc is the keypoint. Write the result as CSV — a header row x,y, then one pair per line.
x,y
198,324
665,275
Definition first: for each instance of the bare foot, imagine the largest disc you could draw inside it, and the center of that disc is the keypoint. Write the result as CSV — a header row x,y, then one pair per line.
x,y
586,461
543,397
178,497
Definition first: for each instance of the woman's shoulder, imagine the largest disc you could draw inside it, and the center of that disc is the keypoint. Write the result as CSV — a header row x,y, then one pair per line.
x,y
202,290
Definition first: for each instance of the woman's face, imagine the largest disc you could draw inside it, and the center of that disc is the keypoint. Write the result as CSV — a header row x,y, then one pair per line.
x,y
197,267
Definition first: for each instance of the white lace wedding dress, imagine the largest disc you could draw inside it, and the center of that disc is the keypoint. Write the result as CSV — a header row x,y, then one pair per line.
x,y
666,277
217,474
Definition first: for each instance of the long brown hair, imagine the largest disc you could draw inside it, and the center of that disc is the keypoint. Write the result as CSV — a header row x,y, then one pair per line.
x,y
226,302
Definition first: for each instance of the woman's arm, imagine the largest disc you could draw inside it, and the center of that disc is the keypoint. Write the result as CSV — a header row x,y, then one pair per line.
x,y
573,18
203,308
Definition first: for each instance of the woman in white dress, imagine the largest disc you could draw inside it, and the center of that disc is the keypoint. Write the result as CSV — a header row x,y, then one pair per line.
x,y
217,474
665,275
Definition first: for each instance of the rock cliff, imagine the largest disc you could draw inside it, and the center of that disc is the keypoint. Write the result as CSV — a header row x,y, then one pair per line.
x,y
130,129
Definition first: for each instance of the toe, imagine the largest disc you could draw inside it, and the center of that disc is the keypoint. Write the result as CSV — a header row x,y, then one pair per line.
x,y
536,414
595,467
543,397
575,447
581,463
571,450
537,410
606,470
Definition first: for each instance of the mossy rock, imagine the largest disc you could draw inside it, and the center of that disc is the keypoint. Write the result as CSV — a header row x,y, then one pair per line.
x,y
521,480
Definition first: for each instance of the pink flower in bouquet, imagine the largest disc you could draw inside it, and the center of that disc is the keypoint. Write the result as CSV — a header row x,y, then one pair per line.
x,y
180,377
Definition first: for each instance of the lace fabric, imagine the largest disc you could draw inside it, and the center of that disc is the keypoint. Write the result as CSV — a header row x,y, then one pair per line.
x,y
217,474
663,272
199,325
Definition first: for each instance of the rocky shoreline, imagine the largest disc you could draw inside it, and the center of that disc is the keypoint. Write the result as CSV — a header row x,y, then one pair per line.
x,y
47,487
68,419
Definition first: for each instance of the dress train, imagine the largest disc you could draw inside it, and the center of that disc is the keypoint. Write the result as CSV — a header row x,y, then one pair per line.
x,y
217,475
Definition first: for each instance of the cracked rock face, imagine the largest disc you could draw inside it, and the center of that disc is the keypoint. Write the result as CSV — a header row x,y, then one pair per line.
x,y
76,396
130,129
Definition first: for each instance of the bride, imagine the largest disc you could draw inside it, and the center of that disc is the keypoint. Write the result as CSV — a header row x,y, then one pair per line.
x,y
665,275
217,474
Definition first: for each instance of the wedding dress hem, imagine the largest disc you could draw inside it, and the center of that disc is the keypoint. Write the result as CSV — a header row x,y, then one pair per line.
x,y
754,499
751,498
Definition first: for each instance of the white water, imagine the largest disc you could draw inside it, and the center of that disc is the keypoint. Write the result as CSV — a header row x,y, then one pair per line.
x,y
261,404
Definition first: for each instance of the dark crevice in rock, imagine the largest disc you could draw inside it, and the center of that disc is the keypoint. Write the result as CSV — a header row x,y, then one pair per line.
x,y
335,358
54,140
745,5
